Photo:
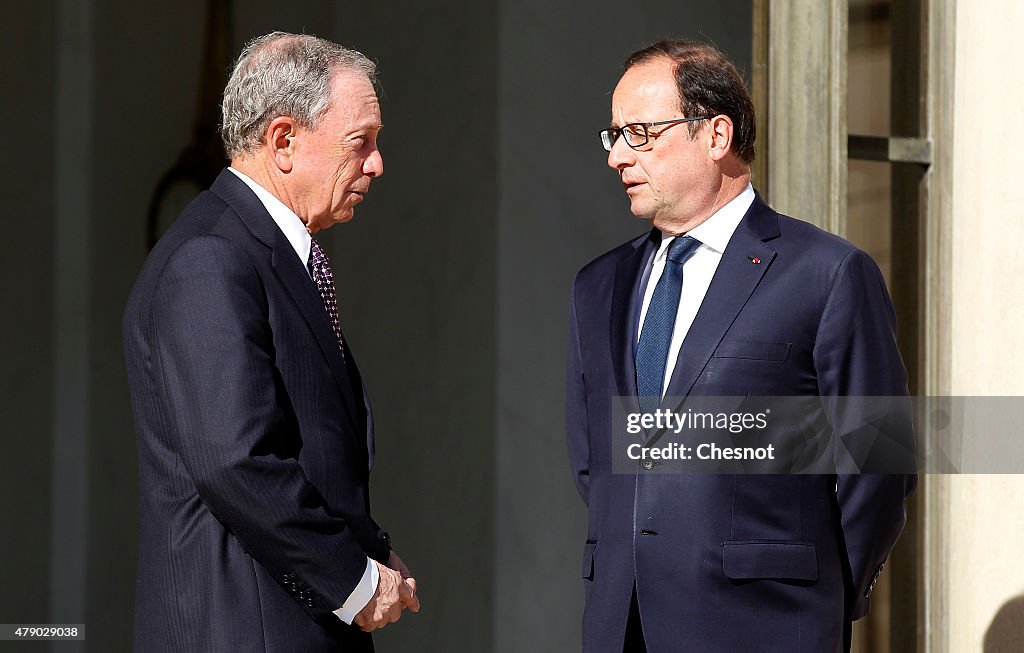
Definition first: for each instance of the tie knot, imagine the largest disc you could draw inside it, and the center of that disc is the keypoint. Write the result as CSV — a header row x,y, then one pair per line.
x,y
682,248
316,253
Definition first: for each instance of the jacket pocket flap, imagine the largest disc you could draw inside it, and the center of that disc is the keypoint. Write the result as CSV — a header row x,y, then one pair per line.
x,y
588,560
781,560
765,351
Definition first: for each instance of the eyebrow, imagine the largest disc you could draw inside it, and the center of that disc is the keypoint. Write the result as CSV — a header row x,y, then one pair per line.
x,y
367,127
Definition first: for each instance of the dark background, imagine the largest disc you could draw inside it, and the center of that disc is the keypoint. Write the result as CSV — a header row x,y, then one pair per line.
x,y
453,281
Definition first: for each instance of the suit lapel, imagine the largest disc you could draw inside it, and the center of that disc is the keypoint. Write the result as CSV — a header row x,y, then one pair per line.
x,y
293,276
624,309
298,284
735,280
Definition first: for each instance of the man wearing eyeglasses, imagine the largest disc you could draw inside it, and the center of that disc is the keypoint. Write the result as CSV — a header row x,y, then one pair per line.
x,y
723,297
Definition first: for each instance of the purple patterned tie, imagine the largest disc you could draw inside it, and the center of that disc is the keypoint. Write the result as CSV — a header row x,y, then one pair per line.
x,y
324,280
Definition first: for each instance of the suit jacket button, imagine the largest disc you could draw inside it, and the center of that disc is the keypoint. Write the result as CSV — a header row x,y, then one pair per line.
x,y
647,464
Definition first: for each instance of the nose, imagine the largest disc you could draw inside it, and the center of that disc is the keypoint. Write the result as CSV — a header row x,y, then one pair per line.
x,y
621,155
373,166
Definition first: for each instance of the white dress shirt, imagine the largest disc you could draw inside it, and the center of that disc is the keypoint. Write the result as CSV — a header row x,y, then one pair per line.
x,y
295,231
713,234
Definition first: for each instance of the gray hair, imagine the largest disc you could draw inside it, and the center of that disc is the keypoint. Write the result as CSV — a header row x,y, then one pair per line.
x,y
282,74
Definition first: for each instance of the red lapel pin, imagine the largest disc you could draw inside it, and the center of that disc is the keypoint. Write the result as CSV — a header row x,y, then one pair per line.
x,y
754,260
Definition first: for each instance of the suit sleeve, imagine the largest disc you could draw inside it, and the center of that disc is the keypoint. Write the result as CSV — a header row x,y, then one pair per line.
x,y
214,357
576,423
863,385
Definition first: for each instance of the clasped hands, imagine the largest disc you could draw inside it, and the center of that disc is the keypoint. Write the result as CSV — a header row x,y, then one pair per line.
x,y
396,591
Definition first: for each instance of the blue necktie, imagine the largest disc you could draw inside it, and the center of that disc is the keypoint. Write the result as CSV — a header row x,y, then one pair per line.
x,y
659,322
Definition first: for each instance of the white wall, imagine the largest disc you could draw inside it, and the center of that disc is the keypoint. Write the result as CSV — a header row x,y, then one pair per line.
x,y
986,512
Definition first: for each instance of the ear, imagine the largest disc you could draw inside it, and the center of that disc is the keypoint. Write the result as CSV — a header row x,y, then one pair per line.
x,y
279,141
721,137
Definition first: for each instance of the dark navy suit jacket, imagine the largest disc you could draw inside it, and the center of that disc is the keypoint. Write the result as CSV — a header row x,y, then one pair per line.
x,y
736,563
254,442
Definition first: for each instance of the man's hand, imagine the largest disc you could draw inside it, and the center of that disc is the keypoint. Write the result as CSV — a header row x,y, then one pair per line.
x,y
396,589
396,563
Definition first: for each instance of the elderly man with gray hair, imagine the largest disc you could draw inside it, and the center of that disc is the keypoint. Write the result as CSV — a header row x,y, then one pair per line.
x,y
255,436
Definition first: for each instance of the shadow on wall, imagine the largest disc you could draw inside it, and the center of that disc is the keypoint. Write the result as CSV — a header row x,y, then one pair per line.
x,y
1006,632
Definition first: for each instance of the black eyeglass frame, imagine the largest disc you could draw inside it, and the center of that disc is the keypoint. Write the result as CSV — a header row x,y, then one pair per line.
x,y
611,134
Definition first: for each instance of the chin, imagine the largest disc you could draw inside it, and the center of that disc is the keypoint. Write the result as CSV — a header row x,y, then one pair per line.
x,y
331,221
639,210
640,213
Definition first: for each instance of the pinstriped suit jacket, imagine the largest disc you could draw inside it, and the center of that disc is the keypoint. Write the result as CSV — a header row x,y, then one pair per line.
x,y
255,442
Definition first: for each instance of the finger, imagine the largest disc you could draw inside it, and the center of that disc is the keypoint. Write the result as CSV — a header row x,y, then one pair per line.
x,y
364,625
395,613
407,592
398,565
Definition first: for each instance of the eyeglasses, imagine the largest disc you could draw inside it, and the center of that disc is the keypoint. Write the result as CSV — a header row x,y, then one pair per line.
x,y
637,133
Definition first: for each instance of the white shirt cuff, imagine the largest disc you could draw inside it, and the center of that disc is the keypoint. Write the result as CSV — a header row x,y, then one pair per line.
x,y
361,595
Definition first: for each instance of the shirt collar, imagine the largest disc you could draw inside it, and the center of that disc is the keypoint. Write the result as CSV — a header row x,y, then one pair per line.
x,y
716,231
289,223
